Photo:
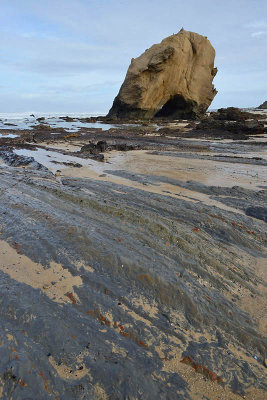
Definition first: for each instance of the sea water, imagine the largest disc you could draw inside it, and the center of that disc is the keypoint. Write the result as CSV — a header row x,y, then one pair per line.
x,y
27,120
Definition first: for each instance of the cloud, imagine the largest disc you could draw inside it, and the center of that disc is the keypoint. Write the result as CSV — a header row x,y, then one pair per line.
x,y
30,96
260,24
92,89
66,52
54,56
259,33
259,28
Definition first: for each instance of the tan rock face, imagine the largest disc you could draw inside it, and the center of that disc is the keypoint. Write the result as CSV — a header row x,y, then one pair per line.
x,y
172,79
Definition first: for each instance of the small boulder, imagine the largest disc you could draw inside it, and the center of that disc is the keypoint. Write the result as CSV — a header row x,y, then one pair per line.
x,y
102,145
90,148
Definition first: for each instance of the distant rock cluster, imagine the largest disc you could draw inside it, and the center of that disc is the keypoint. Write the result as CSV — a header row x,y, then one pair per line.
x,y
263,106
233,120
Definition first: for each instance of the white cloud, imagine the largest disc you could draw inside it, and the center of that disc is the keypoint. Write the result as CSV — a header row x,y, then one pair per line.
x,y
260,24
30,95
66,52
259,33
53,56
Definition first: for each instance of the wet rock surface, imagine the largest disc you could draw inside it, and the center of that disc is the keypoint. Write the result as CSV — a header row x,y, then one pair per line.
x,y
109,281
20,161
257,212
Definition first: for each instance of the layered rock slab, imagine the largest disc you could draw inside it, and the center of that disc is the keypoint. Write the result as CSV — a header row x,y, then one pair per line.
x,y
172,79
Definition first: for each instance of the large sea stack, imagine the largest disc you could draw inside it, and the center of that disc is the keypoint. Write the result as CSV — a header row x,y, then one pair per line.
x,y
172,79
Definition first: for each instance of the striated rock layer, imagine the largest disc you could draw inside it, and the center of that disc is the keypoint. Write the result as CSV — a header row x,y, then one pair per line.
x,y
172,79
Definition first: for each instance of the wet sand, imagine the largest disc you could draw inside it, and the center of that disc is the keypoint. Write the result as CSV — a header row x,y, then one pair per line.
x,y
55,281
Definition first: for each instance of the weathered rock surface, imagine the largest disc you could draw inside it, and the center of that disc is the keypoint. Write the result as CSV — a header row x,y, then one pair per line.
x,y
171,79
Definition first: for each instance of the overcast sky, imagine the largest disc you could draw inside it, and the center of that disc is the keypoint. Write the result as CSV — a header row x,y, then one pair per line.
x,y
72,55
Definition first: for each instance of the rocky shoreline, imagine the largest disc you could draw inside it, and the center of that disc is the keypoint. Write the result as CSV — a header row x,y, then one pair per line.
x,y
126,251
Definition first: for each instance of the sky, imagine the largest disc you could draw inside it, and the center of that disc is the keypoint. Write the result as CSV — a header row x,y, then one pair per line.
x,y
72,55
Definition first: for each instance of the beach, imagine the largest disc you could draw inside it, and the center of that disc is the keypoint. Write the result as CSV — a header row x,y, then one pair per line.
x,y
132,268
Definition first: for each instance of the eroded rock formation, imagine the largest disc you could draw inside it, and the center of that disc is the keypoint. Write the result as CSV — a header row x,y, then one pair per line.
x,y
172,79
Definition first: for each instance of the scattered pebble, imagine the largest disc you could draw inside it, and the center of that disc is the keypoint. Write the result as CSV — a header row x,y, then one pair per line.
x,y
47,286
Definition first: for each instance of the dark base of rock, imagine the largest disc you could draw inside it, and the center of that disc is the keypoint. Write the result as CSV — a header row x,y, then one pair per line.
x,y
177,107
122,110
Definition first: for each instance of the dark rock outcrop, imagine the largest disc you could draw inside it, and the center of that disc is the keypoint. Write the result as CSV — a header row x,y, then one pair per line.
x,y
102,146
249,127
16,160
234,114
172,79
263,106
